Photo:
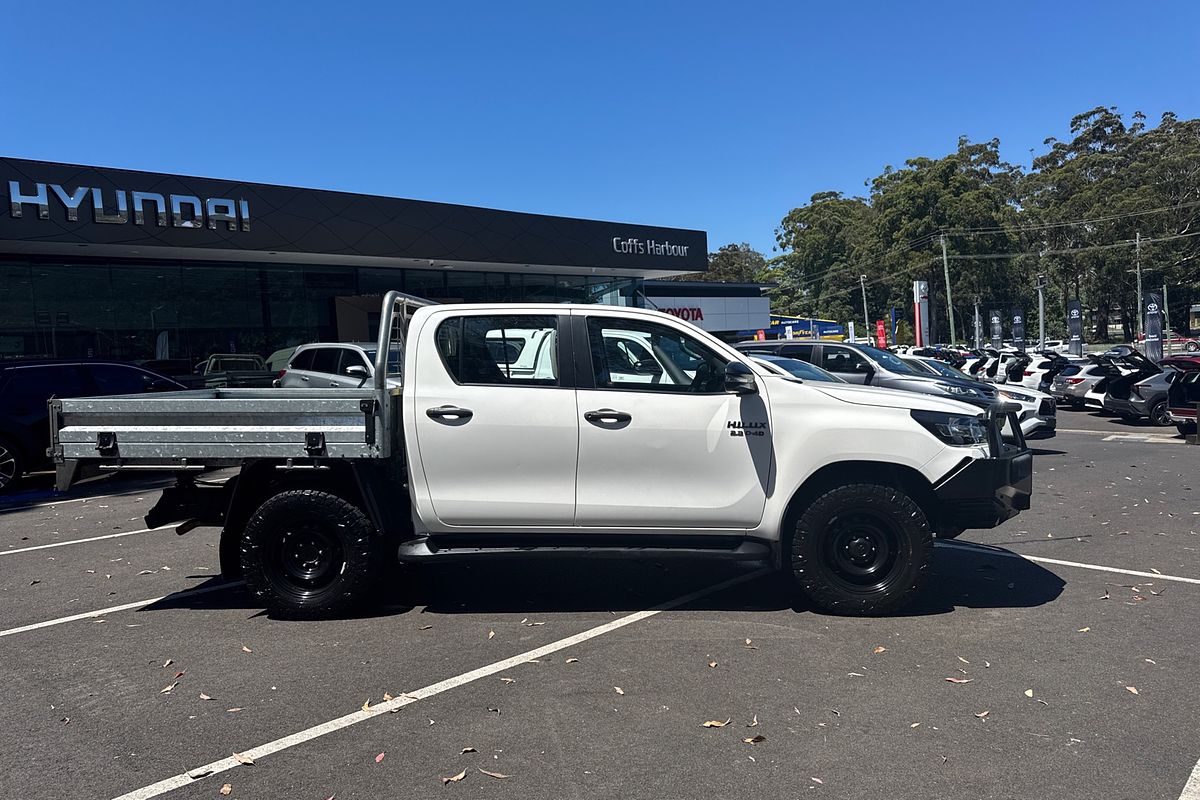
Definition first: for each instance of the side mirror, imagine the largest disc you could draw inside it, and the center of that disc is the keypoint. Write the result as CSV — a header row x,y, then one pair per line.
x,y
357,371
739,379
648,366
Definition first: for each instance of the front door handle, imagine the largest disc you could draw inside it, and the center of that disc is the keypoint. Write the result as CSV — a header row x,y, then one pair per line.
x,y
607,415
449,412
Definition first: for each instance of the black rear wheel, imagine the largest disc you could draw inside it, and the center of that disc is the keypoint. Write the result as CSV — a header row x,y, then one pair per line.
x,y
1185,428
861,549
12,466
1159,415
310,554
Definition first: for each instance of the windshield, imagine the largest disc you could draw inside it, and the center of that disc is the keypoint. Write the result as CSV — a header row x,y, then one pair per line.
x,y
801,369
889,361
947,371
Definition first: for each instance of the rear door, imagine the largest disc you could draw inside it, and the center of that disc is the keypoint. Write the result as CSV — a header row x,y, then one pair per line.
x,y
673,451
497,446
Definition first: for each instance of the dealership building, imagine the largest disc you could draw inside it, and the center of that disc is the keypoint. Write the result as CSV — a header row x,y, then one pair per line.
x,y
98,262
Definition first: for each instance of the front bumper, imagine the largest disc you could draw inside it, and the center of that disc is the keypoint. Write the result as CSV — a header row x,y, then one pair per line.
x,y
983,492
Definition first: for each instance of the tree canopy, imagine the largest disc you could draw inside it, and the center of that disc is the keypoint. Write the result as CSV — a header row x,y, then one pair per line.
x,y
1074,217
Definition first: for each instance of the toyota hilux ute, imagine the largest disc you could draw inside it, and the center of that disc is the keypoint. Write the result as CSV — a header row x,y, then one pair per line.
x,y
460,457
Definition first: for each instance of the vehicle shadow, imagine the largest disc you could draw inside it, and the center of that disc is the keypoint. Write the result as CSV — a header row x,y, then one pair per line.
x,y
38,488
961,577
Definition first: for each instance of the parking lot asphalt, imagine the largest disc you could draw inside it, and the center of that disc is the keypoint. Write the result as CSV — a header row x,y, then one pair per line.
x,y
583,679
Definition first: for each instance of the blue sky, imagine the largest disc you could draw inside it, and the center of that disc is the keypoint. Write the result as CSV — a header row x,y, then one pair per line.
x,y
717,116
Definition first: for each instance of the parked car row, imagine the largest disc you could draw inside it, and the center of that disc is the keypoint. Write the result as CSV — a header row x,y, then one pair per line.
x,y
871,366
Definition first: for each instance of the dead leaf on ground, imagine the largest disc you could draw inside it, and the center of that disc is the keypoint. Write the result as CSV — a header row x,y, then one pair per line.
x,y
1029,692
571,661
509,680
1103,596
1150,661
983,714
379,757
960,658
1083,630
242,758
750,645
1131,689
915,725
879,649
716,723
712,664
246,649
466,750
618,690
203,696
226,789
454,778
233,710
817,780
498,775
170,687
387,697
168,662
491,635
424,627
755,739
754,722
179,674
959,680
366,706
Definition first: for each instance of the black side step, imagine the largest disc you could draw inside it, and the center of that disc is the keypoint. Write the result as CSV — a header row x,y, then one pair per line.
x,y
451,548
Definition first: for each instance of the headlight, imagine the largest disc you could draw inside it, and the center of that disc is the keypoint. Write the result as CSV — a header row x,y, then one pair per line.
x,y
961,391
1024,398
953,428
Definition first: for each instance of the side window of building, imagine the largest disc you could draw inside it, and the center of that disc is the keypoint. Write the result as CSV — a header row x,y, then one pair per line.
x,y
325,360
842,360
302,360
117,379
646,356
501,350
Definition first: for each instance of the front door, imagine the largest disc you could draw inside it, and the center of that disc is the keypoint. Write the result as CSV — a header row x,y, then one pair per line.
x,y
497,438
847,364
661,443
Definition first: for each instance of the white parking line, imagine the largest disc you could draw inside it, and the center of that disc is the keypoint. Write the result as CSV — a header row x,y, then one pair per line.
x,y
89,539
1151,438
995,551
114,609
407,698
1191,790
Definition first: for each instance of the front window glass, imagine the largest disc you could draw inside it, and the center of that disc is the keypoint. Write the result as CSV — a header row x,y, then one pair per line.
x,y
842,360
647,356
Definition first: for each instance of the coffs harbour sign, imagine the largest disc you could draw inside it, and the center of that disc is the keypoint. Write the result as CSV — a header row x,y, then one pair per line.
x,y
113,207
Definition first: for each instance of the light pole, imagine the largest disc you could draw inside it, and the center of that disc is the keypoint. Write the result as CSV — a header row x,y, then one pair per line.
x,y
1041,289
949,302
862,282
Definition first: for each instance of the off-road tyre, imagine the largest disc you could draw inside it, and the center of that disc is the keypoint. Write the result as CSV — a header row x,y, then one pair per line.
x,y
861,549
308,554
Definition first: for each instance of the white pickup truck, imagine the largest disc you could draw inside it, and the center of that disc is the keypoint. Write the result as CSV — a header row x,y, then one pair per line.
x,y
587,431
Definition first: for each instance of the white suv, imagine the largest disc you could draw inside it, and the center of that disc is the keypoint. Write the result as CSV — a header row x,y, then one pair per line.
x,y
333,365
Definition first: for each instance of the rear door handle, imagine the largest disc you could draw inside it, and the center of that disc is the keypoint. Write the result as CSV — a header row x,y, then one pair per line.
x,y
607,415
449,412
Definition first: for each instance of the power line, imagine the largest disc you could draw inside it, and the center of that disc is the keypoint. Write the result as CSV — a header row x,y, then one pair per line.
x,y
1067,223
1071,250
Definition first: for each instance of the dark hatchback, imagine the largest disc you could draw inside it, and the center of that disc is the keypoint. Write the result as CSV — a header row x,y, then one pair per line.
x,y
25,386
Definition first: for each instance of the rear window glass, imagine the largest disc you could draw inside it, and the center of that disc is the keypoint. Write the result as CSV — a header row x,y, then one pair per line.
x,y
1069,370
302,360
326,360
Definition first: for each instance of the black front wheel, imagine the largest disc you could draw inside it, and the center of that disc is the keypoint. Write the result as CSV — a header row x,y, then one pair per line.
x,y
1185,428
861,549
310,554
11,465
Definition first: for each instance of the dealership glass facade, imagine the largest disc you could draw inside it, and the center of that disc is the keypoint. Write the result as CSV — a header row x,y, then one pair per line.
x,y
141,310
